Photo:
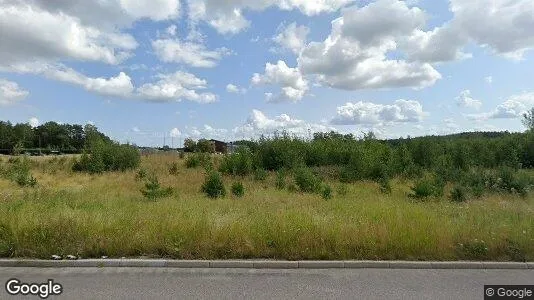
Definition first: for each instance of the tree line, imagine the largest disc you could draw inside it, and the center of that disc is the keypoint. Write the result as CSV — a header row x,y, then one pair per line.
x,y
51,135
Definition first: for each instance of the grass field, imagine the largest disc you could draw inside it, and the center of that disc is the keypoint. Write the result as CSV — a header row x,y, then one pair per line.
x,y
96,215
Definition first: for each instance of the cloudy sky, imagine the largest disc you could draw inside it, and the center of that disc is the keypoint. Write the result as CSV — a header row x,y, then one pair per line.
x,y
143,69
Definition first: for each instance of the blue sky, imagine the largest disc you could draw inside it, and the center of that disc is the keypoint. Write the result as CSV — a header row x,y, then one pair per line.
x,y
141,70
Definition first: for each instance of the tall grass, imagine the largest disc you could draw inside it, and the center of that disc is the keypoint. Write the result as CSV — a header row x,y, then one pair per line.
x,y
95,215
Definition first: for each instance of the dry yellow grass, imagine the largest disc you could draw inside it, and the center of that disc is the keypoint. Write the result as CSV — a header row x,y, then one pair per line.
x,y
95,215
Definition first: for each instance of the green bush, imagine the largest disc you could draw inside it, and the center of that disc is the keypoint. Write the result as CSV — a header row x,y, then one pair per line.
x,y
213,185
153,189
306,181
102,156
198,159
475,249
141,174
260,174
18,171
385,185
459,194
280,180
427,187
326,192
238,189
239,163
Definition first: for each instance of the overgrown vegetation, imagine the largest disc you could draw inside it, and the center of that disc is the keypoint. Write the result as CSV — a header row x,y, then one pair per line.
x,y
213,185
153,189
335,196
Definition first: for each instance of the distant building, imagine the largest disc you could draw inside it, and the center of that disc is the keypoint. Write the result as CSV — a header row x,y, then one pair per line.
x,y
219,146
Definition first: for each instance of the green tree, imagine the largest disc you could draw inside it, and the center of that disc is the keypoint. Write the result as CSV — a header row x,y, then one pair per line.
x,y
528,119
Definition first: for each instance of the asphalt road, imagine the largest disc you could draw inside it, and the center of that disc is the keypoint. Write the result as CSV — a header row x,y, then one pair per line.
x,y
161,283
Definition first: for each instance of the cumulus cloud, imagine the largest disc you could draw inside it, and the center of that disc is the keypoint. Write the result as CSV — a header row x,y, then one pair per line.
x,y
489,79
173,87
292,37
30,33
10,92
34,122
234,89
227,16
292,84
466,100
355,54
512,108
368,113
208,132
176,87
502,26
175,132
190,53
258,123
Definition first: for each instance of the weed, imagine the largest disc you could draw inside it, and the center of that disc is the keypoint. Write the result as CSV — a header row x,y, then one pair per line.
x,y
238,189
213,185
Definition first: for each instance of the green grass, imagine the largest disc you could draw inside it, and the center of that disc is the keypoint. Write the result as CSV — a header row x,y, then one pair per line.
x,y
95,215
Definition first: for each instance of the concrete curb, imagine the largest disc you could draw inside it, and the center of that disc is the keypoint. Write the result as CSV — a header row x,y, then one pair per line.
x,y
260,264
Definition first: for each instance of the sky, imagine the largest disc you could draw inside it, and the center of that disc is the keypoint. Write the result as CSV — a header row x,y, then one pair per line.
x,y
149,71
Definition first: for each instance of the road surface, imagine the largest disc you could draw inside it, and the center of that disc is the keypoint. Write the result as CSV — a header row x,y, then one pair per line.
x,y
161,283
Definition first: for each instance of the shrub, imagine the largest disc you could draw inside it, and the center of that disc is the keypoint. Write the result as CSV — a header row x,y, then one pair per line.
x,y
18,171
238,189
153,189
260,174
458,194
239,163
173,169
102,156
427,187
213,185
280,180
196,160
385,185
326,192
474,249
306,181
141,174
181,154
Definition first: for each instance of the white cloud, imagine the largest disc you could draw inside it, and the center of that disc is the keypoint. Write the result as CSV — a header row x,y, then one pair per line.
x,y
234,89
173,87
189,53
355,54
258,123
489,79
175,132
171,30
293,85
512,108
34,122
157,10
227,16
504,26
292,37
10,92
368,113
176,87
466,100
208,132
30,33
